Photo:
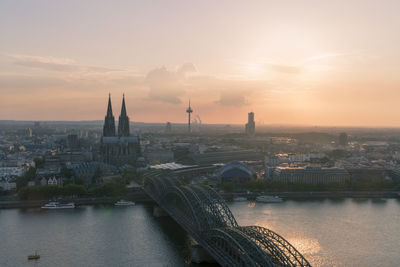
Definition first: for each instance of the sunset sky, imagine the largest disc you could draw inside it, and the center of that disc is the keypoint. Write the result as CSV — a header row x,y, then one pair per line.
x,y
323,63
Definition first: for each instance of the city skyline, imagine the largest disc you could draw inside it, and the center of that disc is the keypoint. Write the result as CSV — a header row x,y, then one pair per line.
x,y
290,63
229,133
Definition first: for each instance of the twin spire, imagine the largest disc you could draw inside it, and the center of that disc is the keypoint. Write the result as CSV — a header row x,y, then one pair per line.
x,y
109,122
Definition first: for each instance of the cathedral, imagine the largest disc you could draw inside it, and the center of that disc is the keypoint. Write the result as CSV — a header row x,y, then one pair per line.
x,y
118,149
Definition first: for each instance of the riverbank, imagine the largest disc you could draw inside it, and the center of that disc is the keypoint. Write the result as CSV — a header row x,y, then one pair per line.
x,y
138,196
318,195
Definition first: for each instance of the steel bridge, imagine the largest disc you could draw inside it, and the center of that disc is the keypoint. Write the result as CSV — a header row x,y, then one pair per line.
x,y
205,216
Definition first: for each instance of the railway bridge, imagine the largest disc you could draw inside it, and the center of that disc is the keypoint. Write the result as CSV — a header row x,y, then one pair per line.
x,y
202,213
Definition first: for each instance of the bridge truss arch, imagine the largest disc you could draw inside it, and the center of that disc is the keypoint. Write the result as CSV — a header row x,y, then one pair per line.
x,y
204,214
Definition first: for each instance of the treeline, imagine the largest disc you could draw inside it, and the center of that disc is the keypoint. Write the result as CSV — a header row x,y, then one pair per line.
x,y
22,181
131,175
51,191
113,188
260,185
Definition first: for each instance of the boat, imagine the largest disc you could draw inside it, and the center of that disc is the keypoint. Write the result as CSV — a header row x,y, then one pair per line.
x,y
35,256
58,205
269,199
124,203
239,199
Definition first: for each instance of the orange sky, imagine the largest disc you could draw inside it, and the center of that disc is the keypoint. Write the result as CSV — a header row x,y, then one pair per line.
x,y
303,62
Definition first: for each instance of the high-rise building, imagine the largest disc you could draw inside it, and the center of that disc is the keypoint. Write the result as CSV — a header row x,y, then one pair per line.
x,y
343,139
121,149
168,127
250,125
73,142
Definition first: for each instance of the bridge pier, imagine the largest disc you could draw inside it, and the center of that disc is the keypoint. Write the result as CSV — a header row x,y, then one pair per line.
x,y
200,255
159,212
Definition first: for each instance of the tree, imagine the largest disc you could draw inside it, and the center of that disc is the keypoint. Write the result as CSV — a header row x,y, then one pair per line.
x,y
96,178
39,162
68,181
113,188
228,187
65,172
79,181
31,173
39,192
50,191
22,181
74,190
131,175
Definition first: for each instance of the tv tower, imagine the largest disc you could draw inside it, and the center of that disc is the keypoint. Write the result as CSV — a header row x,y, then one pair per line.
x,y
189,110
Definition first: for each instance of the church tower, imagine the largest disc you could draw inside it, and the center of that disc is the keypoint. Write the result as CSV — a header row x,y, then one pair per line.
x,y
109,122
123,122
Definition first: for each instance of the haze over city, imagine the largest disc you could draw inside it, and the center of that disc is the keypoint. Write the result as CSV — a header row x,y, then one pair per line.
x,y
320,63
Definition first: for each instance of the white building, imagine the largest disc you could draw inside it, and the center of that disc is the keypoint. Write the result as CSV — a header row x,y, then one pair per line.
x,y
52,181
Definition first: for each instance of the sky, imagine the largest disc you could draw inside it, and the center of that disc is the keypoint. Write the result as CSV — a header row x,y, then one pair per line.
x,y
322,63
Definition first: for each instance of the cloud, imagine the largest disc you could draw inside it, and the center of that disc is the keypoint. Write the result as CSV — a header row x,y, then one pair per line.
x,y
23,82
232,98
55,64
288,69
186,68
168,86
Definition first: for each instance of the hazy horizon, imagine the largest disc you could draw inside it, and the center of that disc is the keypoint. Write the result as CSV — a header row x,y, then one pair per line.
x,y
258,126
305,63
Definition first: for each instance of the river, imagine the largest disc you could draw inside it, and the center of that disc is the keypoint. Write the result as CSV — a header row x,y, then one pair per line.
x,y
346,232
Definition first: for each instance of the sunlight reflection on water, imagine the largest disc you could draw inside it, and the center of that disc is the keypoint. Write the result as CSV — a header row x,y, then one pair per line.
x,y
332,232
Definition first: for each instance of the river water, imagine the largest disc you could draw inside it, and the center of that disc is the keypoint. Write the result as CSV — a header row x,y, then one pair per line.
x,y
328,232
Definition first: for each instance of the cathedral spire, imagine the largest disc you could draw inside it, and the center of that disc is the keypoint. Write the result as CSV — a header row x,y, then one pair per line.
x,y
123,123
109,122
123,108
109,108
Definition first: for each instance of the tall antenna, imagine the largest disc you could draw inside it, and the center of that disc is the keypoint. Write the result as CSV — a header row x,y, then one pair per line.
x,y
189,110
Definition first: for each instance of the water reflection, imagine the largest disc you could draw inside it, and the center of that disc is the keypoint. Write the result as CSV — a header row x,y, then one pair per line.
x,y
251,204
308,246
349,232
329,232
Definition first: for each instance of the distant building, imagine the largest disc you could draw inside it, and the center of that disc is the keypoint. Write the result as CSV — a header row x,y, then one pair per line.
x,y
168,127
158,155
52,162
311,175
10,172
7,184
343,139
121,149
250,125
236,173
73,142
47,180
86,170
